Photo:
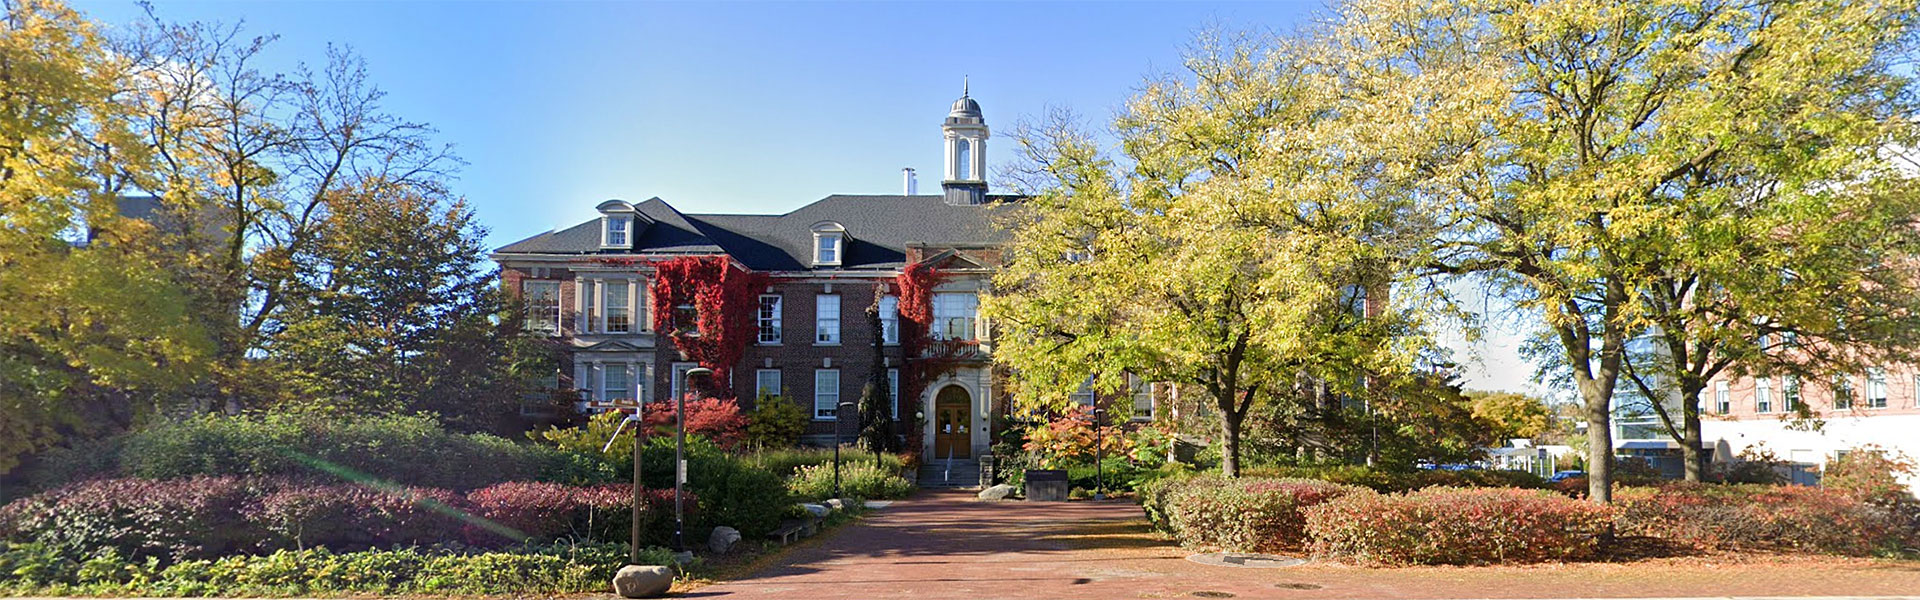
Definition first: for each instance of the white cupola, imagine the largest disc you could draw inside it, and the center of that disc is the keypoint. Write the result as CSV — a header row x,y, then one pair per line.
x,y
965,131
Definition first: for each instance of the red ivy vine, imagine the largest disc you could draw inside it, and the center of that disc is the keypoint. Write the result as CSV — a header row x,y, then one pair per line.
x,y
916,283
726,301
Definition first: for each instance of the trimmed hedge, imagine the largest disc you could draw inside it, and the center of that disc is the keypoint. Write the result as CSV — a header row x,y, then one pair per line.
x,y
207,517
1241,515
1457,526
1750,516
558,569
404,450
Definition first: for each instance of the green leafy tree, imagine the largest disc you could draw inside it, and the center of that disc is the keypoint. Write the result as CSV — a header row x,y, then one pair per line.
x,y
876,399
1213,252
92,331
1510,415
398,313
1584,154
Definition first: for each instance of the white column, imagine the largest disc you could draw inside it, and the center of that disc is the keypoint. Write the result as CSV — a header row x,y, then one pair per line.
x,y
599,379
580,292
979,159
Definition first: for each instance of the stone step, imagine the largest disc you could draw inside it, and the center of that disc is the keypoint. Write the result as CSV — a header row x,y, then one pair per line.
x,y
959,474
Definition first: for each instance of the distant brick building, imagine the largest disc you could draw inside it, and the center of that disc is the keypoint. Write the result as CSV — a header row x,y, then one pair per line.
x,y
825,261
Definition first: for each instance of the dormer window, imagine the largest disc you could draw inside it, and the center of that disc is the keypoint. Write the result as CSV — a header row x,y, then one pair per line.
x,y
618,226
829,244
617,219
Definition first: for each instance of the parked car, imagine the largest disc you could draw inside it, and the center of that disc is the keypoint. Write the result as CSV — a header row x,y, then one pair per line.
x,y
1560,476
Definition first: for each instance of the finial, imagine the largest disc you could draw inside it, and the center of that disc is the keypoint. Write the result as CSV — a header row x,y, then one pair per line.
x,y
963,86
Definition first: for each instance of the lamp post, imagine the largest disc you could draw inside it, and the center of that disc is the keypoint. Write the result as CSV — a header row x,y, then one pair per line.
x,y
839,414
1099,447
680,458
639,440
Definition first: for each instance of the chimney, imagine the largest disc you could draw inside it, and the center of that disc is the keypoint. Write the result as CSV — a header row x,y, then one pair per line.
x,y
906,176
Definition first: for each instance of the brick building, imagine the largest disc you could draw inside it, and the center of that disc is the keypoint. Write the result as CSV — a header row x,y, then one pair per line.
x,y
826,262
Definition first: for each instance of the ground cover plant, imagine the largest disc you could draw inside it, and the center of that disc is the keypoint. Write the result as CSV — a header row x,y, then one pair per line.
x,y
34,569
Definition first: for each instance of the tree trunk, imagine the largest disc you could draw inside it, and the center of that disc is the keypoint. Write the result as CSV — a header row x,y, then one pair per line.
x,y
1599,445
1696,461
1230,454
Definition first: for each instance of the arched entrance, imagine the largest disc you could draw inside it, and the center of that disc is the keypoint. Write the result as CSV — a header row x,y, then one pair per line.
x,y
952,423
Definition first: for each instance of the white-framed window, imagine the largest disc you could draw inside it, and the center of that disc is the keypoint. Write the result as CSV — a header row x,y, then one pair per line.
x,y
1762,395
893,392
826,249
770,319
1084,395
1790,393
889,319
1876,388
589,309
1142,393
766,382
1722,398
954,316
616,233
618,306
826,394
615,383
963,159
829,243
1842,392
826,320
543,305
679,386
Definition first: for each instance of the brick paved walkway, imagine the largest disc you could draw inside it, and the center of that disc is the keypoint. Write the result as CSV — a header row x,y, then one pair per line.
x,y
946,545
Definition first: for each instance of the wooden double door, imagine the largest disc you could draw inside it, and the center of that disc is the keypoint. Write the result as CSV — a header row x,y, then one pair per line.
x,y
952,423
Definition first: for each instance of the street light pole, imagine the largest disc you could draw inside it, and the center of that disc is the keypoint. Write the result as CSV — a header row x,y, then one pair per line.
x,y
839,416
680,459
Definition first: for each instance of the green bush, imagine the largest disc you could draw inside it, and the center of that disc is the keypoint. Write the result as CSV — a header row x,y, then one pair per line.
x,y
857,480
1119,474
775,423
1245,514
732,491
557,569
408,450
788,462
1457,526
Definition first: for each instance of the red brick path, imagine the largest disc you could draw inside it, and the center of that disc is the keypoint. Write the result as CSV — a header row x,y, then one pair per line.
x,y
945,545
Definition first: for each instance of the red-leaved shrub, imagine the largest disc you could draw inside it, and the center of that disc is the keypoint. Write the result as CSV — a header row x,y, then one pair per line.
x,y
1759,517
716,419
516,511
1244,515
195,517
1461,526
353,517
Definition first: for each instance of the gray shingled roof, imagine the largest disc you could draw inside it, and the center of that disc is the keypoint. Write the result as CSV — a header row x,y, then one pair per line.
x,y
879,229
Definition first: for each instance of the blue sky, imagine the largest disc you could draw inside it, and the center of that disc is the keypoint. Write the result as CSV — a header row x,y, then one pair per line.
x,y
729,106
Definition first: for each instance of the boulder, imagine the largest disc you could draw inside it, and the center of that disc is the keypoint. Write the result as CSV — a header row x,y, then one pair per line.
x,y
998,492
638,581
723,539
819,511
835,504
